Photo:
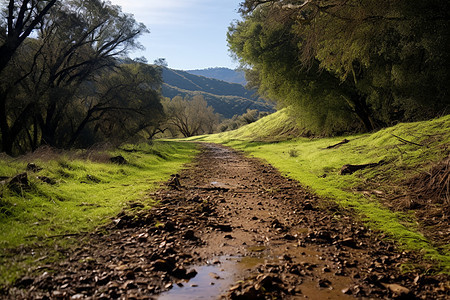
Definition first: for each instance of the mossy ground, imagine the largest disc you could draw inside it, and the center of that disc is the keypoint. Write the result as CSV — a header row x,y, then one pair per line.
x,y
405,149
89,191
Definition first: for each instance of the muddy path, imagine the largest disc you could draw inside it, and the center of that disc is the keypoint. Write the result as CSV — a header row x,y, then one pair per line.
x,y
232,227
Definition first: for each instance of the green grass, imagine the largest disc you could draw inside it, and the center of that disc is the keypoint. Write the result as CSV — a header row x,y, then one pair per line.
x,y
87,194
314,166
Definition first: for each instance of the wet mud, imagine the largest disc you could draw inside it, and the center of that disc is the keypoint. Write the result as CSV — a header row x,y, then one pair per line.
x,y
231,227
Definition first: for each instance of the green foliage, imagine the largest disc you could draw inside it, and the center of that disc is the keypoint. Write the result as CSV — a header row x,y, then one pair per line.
x,y
252,115
316,167
89,191
66,86
348,65
189,117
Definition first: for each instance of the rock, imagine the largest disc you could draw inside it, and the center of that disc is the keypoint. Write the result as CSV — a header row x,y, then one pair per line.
x,y
324,283
346,291
169,226
19,183
174,182
215,276
250,293
289,237
168,286
190,235
180,272
349,242
308,206
228,236
162,265
397,289
120,160
269,282
33,168
24,282
224,227
191,274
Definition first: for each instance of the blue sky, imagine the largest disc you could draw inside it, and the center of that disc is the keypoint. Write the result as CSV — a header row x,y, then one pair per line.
x,y
189,34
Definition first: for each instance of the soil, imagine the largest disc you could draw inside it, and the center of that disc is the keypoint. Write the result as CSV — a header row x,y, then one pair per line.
x,y
232,227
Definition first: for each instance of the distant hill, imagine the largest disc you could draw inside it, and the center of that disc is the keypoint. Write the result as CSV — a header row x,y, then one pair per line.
x,y
227,99
224,74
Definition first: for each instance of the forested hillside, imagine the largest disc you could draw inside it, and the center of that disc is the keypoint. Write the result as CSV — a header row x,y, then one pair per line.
x,y
227,99
224,74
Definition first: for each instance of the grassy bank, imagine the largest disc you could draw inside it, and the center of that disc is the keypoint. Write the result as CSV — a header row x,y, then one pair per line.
x,y
75,192
405,150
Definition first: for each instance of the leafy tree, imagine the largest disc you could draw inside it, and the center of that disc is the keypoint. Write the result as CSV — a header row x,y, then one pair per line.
x,y
380,61
21,17
252,115
118,105
78,42
190,116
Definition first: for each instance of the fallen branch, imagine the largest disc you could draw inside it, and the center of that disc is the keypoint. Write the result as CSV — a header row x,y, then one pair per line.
x,y
345,141
406,141
350,169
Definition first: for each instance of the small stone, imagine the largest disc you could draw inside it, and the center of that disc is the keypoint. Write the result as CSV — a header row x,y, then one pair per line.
x,y
324,283
190,235
168,285
397,289
346,291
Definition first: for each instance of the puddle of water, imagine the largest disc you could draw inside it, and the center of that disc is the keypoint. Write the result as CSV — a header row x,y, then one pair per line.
x,y
215,279
211,281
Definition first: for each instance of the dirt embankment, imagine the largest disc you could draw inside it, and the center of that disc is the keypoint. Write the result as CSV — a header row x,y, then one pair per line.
x,y
231,227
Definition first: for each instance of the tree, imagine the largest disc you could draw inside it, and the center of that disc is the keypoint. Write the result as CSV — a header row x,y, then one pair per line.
x,y
118,105
383,61
78,42
22,17
190,116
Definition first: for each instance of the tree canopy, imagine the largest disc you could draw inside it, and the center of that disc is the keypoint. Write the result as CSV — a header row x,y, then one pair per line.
x,y
345,64
70,83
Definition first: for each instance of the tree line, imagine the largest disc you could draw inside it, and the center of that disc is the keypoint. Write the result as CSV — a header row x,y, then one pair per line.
x,y
347,65
66,80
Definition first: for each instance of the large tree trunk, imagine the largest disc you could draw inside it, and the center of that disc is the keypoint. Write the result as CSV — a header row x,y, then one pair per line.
x,y
362,112
4,126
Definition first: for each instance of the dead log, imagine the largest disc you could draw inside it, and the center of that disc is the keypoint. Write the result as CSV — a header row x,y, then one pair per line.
x,y
350,169
406,141
345,141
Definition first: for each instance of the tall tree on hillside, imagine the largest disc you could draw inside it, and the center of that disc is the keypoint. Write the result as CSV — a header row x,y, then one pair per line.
x,y
385,61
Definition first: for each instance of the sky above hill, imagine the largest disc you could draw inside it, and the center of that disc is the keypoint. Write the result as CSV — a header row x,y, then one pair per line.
x,y
189,34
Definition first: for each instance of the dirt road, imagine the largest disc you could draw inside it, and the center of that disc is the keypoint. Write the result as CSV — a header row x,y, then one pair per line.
x,y
234,228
